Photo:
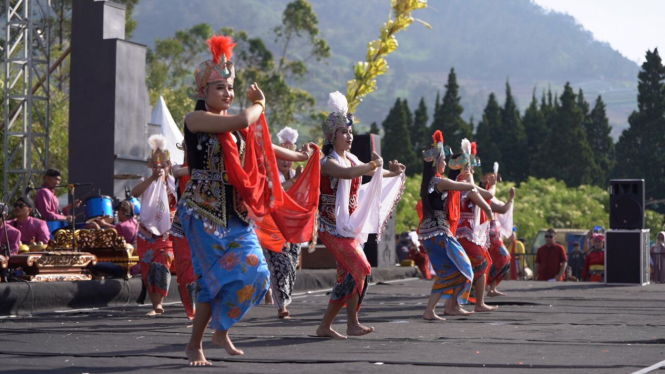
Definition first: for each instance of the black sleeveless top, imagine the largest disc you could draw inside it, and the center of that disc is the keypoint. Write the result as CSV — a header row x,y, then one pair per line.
x,y
208,191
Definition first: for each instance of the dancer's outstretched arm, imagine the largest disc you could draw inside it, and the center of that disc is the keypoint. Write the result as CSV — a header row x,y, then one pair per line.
x,y
206,122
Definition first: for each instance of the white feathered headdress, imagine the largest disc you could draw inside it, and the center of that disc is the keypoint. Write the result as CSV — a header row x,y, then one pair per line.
x,y
157,141
160,156
496,168
339,116
288,137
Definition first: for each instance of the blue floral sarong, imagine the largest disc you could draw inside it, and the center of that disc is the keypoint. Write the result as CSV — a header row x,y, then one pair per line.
x,y
451,265
232,273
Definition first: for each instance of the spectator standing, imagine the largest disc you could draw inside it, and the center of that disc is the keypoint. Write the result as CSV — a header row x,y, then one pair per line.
x,y
551,260
576,261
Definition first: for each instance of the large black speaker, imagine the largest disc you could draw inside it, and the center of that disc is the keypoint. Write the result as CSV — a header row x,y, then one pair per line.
x,y
363,146
627,204
381,254
627,256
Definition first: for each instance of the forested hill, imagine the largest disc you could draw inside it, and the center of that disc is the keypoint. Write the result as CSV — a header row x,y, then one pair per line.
x,y
486,41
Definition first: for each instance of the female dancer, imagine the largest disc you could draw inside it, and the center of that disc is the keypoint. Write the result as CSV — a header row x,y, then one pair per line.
x,y
453,269
345,222
497,250
158,204
231,167
469,231
283,264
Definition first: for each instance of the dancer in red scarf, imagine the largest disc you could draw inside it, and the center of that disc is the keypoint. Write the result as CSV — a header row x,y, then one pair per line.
x,y
233,173
473,231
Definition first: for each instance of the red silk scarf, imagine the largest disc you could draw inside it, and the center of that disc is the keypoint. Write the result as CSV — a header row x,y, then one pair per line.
x,y
256,179
279,216
295,220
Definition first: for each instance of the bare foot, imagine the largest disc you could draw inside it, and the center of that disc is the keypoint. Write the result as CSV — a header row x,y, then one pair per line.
x,y
221,338
457,311
358,330
268,299
329,333
196,357
155,312
495,293
284,314
483,308
432,316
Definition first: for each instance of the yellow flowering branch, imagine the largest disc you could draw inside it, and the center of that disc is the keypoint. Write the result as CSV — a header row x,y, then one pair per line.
x,y
365,73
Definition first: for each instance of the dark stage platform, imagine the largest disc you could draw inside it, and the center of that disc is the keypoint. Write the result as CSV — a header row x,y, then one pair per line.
x,y
539,327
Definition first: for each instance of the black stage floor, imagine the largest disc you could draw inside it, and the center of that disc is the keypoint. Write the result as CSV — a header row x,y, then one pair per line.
x,y
540,327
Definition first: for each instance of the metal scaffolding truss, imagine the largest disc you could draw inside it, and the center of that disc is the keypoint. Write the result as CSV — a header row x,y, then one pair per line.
x,y
26,57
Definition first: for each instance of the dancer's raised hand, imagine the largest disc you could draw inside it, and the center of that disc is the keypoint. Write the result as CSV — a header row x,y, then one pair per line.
x,y
254,93
396,167
377,160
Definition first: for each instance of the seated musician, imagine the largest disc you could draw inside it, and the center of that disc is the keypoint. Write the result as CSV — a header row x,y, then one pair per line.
x,y
46,202
33,230
10,238
127,226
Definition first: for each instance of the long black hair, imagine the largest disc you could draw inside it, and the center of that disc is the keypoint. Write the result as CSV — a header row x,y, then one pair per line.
x,y
429,170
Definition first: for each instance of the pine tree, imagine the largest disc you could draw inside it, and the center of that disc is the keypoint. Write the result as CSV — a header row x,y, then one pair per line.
x,y
640,147
598,131
566,155
511,139
535,129
488,127
374,129
420,137
582,104
448,116
396,143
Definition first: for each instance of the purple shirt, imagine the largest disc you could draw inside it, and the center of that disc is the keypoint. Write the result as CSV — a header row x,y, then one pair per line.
x,y
33,229
128,230
14,238
47,204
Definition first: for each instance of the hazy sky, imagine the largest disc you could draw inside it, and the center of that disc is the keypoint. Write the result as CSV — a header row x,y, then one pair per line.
x,y
630,26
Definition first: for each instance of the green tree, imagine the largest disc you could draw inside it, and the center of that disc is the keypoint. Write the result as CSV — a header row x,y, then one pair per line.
x,y
396,143
641,145
448,117
374,129
535,129
511,139
173,59
488,128
420,136
567,156
598,135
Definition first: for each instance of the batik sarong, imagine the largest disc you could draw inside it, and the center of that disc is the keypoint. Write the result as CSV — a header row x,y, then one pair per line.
x,y
476,255
500,263
155,258
283,267
451,265
232,272
353,269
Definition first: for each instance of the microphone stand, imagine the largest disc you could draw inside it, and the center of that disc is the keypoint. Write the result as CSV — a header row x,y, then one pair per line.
x,y
72,188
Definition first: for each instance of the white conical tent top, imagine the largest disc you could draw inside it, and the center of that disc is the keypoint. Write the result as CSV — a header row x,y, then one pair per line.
x,y
161,116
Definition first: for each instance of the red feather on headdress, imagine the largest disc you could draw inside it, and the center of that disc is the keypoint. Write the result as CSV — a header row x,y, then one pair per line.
x,y
473,148
437,137
221,45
